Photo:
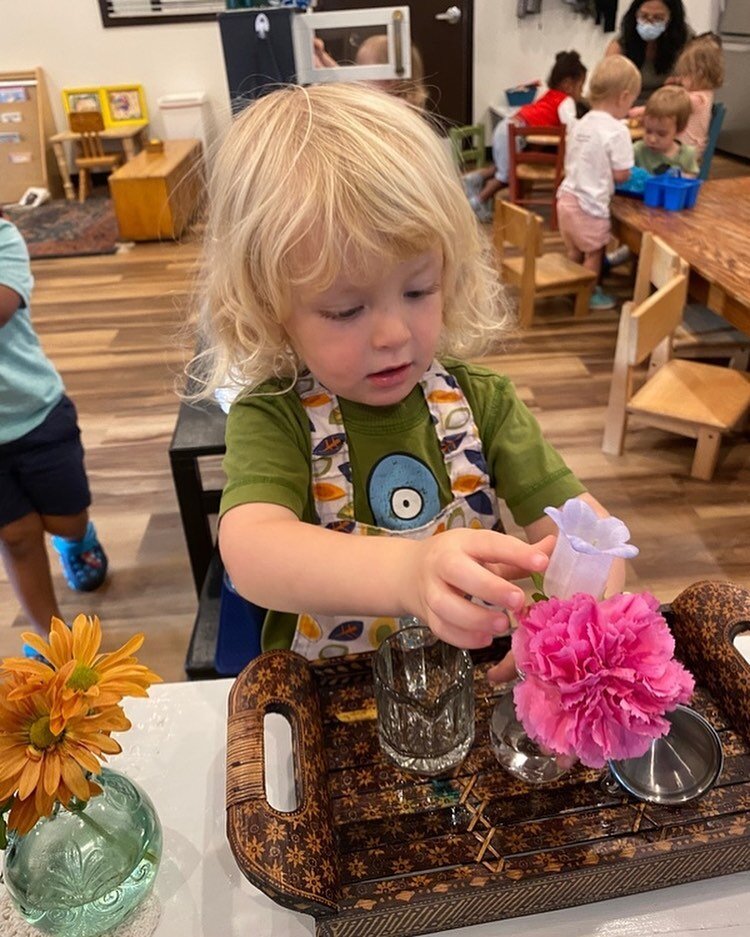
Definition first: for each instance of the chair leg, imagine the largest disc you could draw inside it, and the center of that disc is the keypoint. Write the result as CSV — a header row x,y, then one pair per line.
x,y
583,299
740,359
525,309
706,454
82,184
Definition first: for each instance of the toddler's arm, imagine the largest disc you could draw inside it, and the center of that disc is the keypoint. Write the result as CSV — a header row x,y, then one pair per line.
x,y
10,302
280,562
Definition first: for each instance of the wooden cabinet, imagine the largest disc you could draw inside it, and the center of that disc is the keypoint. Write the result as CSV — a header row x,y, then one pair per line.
x,y
26,125
156,194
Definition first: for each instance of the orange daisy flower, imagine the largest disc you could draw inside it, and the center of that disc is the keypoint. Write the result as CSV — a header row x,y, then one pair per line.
x,y
90,680
38,765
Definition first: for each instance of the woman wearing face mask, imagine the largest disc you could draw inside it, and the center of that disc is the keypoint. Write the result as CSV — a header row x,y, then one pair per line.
x,y
652,35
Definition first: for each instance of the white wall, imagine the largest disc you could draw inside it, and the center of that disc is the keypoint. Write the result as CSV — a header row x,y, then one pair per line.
x,y
67,40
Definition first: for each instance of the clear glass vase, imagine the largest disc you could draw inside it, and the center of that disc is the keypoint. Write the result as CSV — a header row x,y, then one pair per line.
x,y
81,871
515,751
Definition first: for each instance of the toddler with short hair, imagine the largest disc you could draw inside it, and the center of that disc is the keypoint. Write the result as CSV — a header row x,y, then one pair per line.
x,y
664,119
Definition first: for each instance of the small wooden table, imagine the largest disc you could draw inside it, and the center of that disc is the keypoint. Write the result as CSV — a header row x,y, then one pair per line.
x,y
713,237
131,138
155,194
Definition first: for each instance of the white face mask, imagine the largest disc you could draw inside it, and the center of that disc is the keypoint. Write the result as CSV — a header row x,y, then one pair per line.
x,y
649,31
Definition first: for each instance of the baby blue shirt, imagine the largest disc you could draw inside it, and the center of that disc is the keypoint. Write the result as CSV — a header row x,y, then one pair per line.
x,y
29,384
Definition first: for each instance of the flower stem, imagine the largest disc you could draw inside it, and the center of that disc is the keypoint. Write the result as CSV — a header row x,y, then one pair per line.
x,y
79,809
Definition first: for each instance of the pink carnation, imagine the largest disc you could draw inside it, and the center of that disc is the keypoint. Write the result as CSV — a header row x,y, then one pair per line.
x,y
598,676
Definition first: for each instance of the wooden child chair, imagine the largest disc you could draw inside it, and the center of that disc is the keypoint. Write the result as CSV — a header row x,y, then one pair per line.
x,y
534,274
540,163
701,401
468,146
89,124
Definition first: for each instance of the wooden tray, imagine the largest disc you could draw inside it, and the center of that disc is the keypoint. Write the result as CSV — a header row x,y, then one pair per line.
x,y
373,851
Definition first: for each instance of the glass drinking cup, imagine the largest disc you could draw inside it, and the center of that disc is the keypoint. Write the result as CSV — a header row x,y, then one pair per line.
x,y
424,691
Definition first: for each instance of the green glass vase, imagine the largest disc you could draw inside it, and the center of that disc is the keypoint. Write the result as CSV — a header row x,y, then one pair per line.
x,y
81,871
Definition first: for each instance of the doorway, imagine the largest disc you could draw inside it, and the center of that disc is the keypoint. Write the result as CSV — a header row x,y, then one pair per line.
x,y
443,30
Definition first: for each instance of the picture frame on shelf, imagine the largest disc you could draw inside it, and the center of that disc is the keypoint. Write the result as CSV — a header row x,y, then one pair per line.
x,y
76,100
124,105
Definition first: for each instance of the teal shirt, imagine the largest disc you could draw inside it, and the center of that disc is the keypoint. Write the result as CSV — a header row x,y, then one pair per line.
x,y
29,384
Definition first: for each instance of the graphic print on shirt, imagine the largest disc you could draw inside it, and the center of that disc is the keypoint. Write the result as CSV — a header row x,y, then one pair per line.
x,y
402,492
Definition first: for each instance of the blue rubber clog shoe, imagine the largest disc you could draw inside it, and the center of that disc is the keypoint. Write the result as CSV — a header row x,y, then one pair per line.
x,y
600,300
84,562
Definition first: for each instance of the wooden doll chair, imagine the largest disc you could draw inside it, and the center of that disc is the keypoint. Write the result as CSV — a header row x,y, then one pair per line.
x,y
718,112
468,146
89,125
539,164
701,401
534,274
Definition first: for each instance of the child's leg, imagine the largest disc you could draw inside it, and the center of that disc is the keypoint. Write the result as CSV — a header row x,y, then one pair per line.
x,y
27,565
83,561
592,260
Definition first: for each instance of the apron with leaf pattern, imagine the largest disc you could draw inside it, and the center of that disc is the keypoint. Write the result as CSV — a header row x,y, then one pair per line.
x,y
474,501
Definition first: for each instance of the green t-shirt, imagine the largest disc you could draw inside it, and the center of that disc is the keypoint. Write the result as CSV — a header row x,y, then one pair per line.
x,y
648,159
268,454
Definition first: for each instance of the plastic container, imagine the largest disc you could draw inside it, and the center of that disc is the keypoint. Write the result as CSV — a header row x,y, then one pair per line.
x,y
671,193
185,116
521,95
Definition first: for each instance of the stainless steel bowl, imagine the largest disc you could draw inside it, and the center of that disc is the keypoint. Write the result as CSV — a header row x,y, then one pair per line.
x,y
680,766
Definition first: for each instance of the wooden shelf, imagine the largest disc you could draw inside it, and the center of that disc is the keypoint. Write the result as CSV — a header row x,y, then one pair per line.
x,y
27,161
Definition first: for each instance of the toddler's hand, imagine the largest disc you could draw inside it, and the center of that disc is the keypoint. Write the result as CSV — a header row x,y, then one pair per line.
x,y
448,569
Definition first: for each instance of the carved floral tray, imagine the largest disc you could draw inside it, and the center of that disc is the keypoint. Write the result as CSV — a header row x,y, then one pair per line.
x,y
373,851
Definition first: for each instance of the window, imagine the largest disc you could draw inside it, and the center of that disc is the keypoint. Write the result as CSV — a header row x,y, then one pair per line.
x,y
146,12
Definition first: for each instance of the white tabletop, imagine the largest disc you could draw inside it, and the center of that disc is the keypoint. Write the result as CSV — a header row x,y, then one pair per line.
x,y
176,751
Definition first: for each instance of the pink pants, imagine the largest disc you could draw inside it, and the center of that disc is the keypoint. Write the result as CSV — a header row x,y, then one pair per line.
x,y
579,230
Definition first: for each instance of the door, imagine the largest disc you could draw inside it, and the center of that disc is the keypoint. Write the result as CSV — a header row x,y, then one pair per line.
x,y
735,19
735,134
443,31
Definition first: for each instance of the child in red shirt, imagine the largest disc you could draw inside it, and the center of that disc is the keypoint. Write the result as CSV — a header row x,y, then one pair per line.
x,y
556,107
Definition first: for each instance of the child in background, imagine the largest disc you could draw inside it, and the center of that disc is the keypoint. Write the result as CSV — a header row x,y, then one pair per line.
x,y
664,119
374,51
598,154
555,108
339,309
700,71
43,484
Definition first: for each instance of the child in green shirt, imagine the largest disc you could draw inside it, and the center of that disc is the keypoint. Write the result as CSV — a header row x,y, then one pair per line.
x,y
665,117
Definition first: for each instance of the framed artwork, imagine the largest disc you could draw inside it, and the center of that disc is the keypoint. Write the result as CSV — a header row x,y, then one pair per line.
x,y
76,100
124,104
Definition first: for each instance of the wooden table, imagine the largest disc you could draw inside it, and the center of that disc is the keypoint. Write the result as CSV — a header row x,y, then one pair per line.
x,y
131,138
156,194
713,237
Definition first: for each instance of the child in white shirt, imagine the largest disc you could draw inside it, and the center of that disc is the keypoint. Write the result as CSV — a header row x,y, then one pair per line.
x,y
599,153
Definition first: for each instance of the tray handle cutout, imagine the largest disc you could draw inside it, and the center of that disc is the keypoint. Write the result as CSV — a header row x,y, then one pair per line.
x,y
707,618
291,856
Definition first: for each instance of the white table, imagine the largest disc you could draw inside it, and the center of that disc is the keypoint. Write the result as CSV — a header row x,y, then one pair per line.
x,y
176,751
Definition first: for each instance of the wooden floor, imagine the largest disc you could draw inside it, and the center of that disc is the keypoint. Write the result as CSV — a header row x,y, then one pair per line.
x,y
111,326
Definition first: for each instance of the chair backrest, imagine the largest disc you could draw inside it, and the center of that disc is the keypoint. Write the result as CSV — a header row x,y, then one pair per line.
x,y
552,151
468,145
649,323
517,227
718,112
89,125
657,265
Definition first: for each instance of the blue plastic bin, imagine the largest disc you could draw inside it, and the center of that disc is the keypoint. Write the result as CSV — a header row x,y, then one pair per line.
x,y
518,96
671,193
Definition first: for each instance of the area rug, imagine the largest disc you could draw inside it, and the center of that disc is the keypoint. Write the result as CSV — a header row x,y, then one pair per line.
x,y
67,229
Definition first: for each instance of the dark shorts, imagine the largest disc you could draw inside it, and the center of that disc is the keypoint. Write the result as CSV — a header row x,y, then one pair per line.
x,y
43,472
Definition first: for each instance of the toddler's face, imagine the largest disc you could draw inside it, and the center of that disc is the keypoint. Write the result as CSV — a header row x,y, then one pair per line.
x,y
659,133
370,338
